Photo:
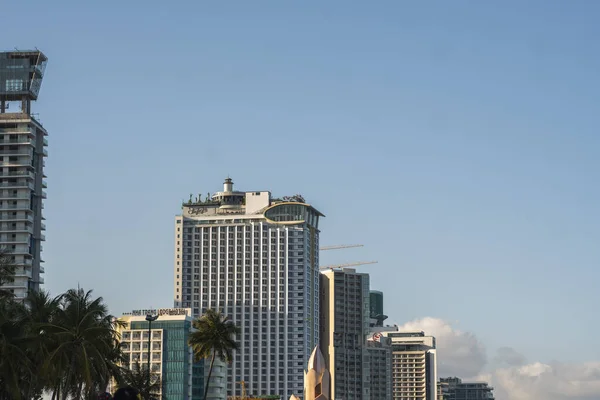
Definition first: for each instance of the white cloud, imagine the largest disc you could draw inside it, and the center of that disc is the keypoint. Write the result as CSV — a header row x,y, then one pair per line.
x,y
555,381
513,378
459,353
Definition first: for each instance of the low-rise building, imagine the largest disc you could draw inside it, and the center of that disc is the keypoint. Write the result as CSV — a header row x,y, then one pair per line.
x,y
171,359
455,389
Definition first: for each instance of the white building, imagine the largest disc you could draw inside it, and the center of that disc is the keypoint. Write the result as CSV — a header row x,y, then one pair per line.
x,y
257,260
344,328
414,364
22,151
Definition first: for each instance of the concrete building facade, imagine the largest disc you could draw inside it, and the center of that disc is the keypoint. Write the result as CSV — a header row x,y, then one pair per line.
x,y
414,365
379,350
256,259
171,359
344,328
22,151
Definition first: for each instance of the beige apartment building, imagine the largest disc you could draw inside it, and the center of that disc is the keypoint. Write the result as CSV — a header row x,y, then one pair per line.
x,y
344,328
414,365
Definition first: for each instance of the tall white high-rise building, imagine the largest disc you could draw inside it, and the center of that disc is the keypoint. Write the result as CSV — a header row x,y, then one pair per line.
x,y
345,318
257,260
22,150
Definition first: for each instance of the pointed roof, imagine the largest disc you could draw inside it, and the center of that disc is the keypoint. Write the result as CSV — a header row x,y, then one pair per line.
x,y
316,361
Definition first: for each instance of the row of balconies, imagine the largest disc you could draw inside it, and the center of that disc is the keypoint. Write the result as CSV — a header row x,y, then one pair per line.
x,y
8,195
16,227
21,151
20,216
21,183
19,162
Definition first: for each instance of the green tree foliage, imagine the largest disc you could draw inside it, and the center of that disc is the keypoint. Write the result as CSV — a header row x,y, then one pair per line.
x,y
214,336
66,345
148,385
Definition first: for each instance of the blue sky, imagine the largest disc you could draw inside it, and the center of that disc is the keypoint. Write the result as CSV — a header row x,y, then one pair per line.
x,y
457,141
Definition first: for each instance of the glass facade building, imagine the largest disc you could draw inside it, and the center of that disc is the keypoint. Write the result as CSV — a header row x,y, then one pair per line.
x,y
171,357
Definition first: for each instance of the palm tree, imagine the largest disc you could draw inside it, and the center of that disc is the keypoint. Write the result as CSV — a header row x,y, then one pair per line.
x,y
14,363
41,310
81,345
214,336
138,377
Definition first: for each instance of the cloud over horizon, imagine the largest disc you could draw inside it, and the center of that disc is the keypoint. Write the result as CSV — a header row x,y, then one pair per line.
x,y
512,376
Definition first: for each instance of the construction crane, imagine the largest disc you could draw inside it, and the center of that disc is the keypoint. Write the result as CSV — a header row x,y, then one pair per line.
x,y
342,266
341,246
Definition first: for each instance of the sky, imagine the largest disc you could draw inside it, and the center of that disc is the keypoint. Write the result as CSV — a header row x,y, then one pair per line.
x,y
456,140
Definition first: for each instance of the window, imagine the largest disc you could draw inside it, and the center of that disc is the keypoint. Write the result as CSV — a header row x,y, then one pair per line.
x,y
14,85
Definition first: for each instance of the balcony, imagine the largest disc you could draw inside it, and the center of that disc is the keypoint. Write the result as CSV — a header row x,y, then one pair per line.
x,y
18,174
18,163
42,270
45,142
5,131
21,140
23,273
13,196
21,217
20,228
45,152
5,207
20,152
28,185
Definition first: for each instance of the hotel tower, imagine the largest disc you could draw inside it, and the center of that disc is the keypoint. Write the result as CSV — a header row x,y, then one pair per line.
x,y
256,259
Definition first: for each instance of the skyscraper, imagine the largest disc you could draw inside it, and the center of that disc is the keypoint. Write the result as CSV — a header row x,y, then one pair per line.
x,y
22,150
344,328
414,365
257,260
